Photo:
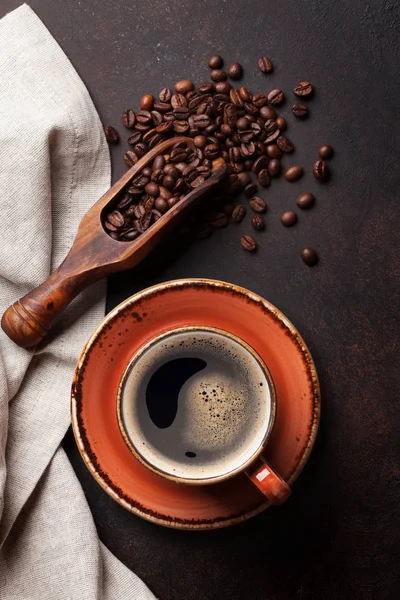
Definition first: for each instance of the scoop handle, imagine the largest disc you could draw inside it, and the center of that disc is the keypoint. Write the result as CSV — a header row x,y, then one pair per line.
x,y
28,320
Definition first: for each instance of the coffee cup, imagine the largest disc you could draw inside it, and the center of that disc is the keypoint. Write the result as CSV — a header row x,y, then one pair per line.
x,y
197,405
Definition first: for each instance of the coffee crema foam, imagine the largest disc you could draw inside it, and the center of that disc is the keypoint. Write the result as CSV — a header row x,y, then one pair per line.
x,y
222,409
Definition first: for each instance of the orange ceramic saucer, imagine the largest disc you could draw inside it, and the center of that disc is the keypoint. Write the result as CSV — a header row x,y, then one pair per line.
x,y
120,335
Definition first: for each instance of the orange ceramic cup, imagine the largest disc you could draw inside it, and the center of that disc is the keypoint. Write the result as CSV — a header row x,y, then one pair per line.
x,y
227,409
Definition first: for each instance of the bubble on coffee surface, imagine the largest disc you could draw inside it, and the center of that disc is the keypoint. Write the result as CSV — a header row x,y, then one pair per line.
x,y
220,410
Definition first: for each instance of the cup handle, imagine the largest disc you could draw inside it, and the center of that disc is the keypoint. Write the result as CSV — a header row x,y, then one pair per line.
x,y
268,482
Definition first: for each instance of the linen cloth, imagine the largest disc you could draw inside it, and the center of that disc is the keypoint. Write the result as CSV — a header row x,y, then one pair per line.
x,y
54,164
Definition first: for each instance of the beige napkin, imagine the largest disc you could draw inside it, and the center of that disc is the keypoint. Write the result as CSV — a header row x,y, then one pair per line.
x,y
54,164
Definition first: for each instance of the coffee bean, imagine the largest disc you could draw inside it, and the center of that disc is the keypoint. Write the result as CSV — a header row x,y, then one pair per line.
x,y
305,201
258,222
235,71
309,256
146,102
211,151
274,167
244,179
152,189
134,138
265,65
183,86
130,158
218,220
258,204
247,149
116,219
284,144
281,122
226,130
248,243
128,118
248,164
264,178
293,173
205,88
242,123
250,189
321,170
223,87
218,75
178,101
235,98
273,151
215,61
200,141
259,100
276,96
111,134
130,235
260,163
161,205
245,94
304,88
165,95
162,107
266,112
325,151
239,213
289,218
300,110
203,231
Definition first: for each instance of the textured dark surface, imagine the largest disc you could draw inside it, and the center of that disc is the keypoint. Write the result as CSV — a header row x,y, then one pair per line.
x,y
338,536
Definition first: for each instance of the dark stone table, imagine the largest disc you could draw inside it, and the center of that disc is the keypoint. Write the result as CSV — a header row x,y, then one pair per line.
x,y
338,536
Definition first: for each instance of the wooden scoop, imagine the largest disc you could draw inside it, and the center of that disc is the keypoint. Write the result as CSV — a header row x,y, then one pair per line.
x,y
94,254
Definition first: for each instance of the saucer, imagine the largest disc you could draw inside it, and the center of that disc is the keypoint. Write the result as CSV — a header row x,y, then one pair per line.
x,y
120,335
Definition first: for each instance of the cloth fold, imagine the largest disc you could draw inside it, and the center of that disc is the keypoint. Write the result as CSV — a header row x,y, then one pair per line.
x,y
54,165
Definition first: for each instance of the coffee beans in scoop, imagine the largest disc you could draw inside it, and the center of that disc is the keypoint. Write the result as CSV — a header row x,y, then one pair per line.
x,y
235,123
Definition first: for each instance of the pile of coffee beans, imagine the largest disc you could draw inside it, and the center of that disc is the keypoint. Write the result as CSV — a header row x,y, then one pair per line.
x,y
156,189
235,124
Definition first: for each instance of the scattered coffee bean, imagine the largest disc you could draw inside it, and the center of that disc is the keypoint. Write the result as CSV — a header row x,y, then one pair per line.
x,y
274,167
258,222
304,88
309,256
265,65
325,151
293,173
130,158
223,87
215,61
111,134
300,110
239,213
146,102
128,118
183,86
218,75
273,151
250,189
284,144
235,71
218,220
267,112
165,95
248,243
289,218
276,97
258,204
281,122
245,94
264,178
305,201
321,170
